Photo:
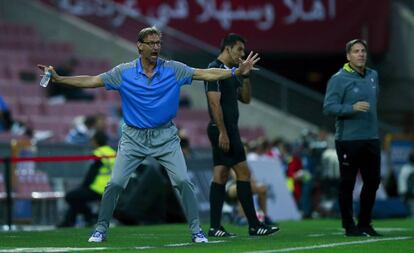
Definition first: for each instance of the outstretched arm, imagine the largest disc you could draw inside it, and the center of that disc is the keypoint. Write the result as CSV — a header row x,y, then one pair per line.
x,y
74,81
214,74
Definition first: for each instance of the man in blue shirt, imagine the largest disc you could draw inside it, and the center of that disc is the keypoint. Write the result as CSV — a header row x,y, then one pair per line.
x,y
149,87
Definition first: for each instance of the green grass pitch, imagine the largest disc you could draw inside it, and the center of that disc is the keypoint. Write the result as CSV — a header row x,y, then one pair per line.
x,y
295,236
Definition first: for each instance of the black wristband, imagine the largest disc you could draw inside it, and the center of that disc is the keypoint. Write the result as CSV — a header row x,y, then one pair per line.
x,y
246,76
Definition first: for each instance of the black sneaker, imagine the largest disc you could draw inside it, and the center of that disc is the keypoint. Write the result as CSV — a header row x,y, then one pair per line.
x,y
262,229
268,221
354,232
219,232
369,230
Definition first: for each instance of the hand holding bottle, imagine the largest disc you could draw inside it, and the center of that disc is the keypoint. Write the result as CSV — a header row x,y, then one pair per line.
x,y
45,79
49,72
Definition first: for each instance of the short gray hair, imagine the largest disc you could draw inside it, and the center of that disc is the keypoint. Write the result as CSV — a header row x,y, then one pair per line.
x,y
351,43
148,31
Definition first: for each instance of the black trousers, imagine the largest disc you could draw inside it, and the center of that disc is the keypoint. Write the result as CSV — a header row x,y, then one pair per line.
x,y
363,156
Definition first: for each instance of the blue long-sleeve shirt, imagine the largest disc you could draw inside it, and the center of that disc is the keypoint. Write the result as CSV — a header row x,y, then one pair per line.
x,y
344,89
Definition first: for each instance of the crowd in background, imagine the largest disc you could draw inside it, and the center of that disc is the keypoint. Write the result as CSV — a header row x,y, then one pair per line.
x,y
311,168
309,163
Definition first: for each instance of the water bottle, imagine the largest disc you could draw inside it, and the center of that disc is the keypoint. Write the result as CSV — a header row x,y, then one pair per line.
x,y
46,78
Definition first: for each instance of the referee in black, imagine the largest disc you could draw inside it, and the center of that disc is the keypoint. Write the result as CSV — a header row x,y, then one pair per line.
x,y
223,132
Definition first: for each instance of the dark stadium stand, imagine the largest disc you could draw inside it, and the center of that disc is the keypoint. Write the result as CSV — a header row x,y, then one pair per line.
x,y
21,48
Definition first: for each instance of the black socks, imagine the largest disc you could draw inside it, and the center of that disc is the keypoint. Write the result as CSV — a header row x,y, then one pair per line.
x,y
244,193
217,193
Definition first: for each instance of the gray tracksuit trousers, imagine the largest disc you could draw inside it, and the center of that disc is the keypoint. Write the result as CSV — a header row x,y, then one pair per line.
x,y
161,143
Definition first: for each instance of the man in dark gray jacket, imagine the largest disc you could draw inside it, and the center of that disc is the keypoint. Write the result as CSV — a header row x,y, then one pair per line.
x,y
351,97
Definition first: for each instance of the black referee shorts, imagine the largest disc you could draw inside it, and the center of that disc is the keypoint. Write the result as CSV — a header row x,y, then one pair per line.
x,y
236,153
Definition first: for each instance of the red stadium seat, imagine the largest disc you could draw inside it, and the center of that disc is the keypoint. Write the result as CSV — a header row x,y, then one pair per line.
x,y
32,106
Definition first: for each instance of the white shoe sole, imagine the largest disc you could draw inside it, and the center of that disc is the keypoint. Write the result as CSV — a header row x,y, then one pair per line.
x,y
201,241
95,240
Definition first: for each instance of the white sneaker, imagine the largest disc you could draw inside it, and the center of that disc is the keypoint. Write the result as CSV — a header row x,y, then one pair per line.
x,y
199,237
97,237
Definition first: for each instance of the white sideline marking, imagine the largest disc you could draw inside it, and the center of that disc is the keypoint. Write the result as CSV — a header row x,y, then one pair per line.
x,y
392,229
331,245
178,244
218,241
49,249
67,249
316,235
191,243
144,247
